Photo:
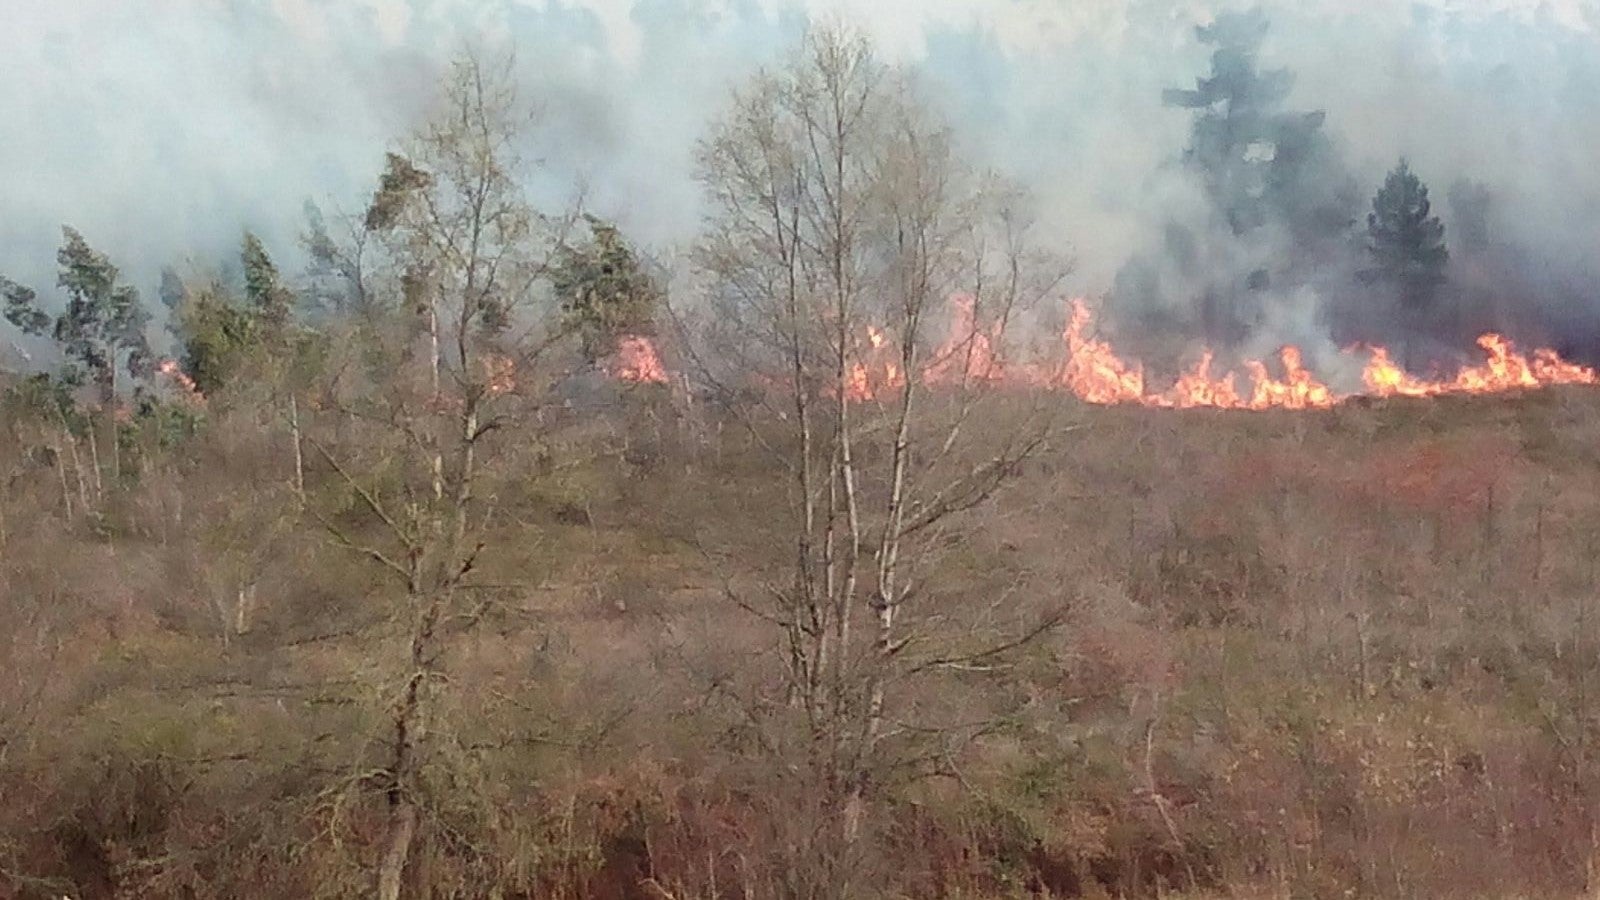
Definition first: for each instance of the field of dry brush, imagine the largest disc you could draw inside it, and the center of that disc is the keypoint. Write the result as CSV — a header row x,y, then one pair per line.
x,y
1340,653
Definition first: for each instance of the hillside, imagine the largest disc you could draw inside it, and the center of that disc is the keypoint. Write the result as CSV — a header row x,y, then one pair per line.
x,y
1301,653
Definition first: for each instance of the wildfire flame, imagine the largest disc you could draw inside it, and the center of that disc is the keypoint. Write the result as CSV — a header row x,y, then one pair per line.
x,y
1504,370
501,372
636,360
967,354
173,371
1092,370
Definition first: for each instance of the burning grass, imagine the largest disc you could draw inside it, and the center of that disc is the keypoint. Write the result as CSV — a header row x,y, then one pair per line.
x,y
1090,368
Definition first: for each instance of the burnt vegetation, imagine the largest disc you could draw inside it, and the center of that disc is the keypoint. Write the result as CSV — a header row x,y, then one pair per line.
x,y
392,580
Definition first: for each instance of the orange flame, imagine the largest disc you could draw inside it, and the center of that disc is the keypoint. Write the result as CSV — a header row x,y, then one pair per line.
x,y
1198,389
1385,379
1299,389
1504,370
501,372
858,384
174,372
1093,372
967,353
636,360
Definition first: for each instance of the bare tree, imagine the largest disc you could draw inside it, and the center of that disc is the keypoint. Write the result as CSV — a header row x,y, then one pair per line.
x,y
409,441
843,223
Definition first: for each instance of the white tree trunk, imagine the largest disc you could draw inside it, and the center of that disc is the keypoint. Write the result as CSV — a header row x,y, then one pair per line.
x,y
299,452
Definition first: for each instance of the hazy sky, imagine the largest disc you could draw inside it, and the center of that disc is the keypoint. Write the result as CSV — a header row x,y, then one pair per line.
x,y
160,128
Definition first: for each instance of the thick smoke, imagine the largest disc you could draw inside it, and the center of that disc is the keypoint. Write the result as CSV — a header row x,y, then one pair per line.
x,y
1277,251
163,129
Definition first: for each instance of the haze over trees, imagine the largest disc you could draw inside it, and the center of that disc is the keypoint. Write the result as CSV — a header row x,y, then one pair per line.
x,y
1261,164
101,334
369,590
1279,203
1282,241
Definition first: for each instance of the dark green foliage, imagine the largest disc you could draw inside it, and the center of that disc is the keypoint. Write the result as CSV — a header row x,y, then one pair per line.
x,y
21,307
216,332
401,180
220,332
270,302
1280,203
104,317
1234,113
158,424
103,326
1260,163
43,398
604,289
1406,239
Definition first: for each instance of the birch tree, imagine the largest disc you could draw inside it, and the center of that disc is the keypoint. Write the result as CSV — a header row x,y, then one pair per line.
x,y
843,222
409,441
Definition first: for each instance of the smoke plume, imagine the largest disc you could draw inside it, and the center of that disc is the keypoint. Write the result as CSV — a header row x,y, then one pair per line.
x,y
163,129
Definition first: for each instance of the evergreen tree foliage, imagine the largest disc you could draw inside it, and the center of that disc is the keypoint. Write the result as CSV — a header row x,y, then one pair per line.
x,y
103,326
1406,241
216,333
22,309
1260,163
220,331
604,289
269,301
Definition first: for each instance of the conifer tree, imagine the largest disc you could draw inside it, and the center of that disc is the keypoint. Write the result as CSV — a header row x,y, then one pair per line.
x,y
1406,241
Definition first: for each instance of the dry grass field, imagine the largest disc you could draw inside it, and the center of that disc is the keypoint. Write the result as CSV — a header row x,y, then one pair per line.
x,y
1322,654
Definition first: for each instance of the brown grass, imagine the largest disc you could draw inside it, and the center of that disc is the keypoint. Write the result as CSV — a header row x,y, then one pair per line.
x,y
1332,654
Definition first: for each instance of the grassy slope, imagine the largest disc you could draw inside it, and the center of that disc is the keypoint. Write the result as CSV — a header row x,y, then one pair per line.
x,y
1308,653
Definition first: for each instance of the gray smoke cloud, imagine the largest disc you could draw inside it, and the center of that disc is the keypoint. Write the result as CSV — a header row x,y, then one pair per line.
x,y
162,128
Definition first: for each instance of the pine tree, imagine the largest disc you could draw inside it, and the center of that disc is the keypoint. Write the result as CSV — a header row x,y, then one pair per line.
x,y
1259,162
1266,169
217,334
103,327
102,330
604,289
1406,241
264,291
22,307
223,333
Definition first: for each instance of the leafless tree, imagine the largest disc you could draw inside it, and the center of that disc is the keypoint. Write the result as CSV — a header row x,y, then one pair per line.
x,y
842,225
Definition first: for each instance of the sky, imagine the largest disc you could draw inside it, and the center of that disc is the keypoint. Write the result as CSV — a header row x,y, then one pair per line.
x,y
162,128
